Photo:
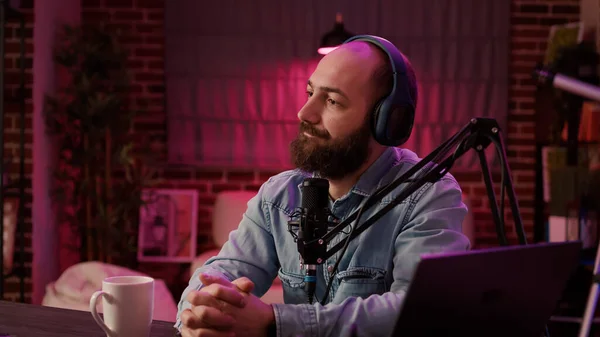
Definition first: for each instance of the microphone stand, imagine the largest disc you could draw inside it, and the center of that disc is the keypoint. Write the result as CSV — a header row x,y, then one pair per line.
x,y
477,134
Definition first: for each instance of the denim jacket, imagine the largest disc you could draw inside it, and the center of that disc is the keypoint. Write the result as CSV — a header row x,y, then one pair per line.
x,y
376,268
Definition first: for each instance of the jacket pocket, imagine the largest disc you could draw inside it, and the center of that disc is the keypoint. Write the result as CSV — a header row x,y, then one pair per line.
x,y
361,282
293,287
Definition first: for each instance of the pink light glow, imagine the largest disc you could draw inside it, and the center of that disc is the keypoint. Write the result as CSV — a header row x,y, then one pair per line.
x,y
326,50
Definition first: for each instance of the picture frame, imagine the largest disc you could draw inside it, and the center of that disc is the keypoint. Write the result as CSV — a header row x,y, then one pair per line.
x,y
561,36
168,225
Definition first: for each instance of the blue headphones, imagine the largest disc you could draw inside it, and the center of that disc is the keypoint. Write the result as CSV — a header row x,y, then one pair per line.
x,y
393,116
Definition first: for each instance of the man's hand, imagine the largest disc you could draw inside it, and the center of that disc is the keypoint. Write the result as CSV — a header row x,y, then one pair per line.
x,y
254,318
226,309
207,317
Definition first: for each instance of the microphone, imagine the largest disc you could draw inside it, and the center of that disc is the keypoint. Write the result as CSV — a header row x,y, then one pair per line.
x,y
313,225
566,83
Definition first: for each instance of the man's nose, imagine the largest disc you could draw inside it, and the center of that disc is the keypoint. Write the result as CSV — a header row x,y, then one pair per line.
x,y
310,112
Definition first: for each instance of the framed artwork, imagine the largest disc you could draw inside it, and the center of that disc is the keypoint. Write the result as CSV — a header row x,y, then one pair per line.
x,y
11,207
560,36
168,225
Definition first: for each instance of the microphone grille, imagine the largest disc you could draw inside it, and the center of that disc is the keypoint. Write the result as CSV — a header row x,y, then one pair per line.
x,y
315,193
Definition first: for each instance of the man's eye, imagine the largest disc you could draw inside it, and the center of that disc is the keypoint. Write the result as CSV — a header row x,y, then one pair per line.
x,y
332,102
309,94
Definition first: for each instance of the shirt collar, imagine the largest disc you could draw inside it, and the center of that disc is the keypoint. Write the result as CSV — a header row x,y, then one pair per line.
x,y
369,180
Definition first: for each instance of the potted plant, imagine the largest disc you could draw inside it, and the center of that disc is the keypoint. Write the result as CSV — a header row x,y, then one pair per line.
x,y
101,169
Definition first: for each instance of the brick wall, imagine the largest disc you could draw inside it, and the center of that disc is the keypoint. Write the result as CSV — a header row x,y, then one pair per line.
x,y
142,21
12,125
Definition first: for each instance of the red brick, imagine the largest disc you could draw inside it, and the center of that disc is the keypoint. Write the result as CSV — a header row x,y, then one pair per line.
x,y
528,58
155,89
149,77
263,176
13,136
530,32
149,28
209,175
463,177
135,64
28,31
8,123
521,117
516,45
95,16
177,174
240,176
221,187
156,65
150,4
119,3
525,20
531,8
128,15
522,178
91,4
252,187
553,21
15,48
565,9
13,285
129,39
24,5
155,16
149,52
154,40
136,89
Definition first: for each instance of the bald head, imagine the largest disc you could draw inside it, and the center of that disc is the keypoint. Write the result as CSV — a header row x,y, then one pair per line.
x,y
378,62
363,64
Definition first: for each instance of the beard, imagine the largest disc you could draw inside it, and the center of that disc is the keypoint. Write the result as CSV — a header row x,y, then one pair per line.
x,y
330,158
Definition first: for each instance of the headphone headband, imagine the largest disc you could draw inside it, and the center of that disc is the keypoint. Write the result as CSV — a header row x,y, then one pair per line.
x,y
393,116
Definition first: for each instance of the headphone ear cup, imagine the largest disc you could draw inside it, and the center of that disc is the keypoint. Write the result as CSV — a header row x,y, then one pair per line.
x,y
376,123
399,123
392,123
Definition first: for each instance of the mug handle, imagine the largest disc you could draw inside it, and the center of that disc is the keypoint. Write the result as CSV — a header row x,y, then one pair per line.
x,y
93,303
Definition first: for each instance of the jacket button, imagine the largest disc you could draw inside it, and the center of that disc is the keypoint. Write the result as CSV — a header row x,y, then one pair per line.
x,y
330,269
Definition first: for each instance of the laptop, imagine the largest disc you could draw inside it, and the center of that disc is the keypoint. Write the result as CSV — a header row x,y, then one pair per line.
x,y
507,291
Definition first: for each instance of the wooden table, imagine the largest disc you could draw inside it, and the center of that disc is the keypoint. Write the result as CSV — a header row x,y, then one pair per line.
x,y
25,320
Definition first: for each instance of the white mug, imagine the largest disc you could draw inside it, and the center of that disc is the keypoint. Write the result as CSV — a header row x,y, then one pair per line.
x,y
127,305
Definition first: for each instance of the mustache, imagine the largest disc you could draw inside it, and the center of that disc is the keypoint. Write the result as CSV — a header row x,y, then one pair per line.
x,y
313,131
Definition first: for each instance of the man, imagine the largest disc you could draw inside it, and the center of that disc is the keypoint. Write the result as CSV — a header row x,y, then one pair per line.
x,y
335,142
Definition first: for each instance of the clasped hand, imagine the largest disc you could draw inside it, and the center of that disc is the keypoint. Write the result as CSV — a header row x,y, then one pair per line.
x,y
224,308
